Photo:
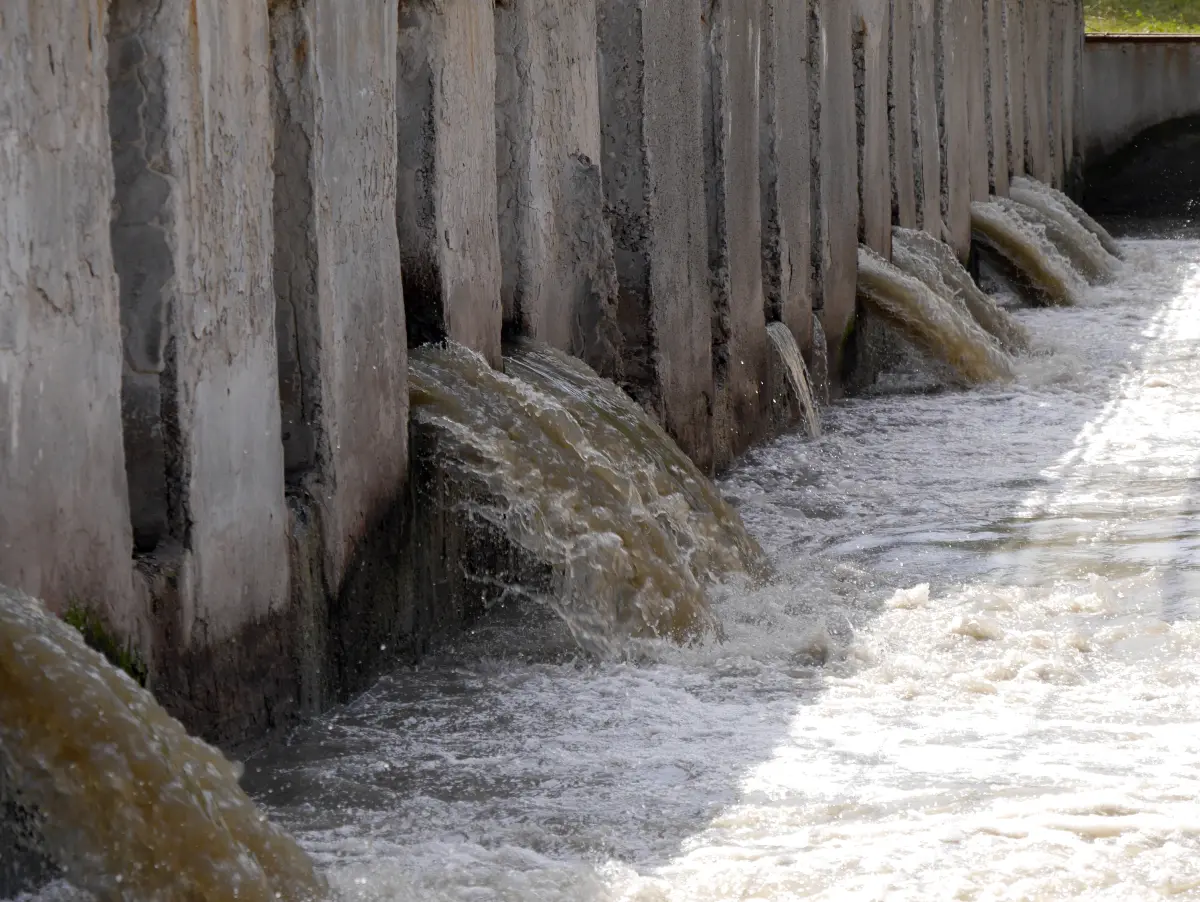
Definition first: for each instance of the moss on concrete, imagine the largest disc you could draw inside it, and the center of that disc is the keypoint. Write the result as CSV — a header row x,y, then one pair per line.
x,y
99,637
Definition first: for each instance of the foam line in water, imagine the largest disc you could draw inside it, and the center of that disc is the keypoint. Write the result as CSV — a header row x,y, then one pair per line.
x,y
1081,215
923,256
1080,246
936,325
1026,248
132,807
797,376
573,473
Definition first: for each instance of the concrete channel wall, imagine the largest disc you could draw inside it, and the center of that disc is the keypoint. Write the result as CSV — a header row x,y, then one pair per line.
x,y
226,225
1133,83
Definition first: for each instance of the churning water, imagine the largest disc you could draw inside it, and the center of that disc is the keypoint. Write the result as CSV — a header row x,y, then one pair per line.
x,y
938,324
975,673
131,806
1029,253
924,257
573,471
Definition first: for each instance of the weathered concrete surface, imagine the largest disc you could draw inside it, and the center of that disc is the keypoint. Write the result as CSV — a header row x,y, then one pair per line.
x,y
741,411
1038,161
975,68
995,38
835,185
1132,83
872,52
785,168
211,144
559,279
340,308
903,126
926,127
1059,65
141,230
64,515
1014,26
446,211
1073,179
653,164
954,91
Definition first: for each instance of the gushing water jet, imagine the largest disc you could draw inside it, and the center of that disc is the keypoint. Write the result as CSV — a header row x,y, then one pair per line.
x,y
935,325
922,256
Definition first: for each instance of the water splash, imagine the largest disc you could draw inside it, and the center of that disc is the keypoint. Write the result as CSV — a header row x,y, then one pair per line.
x,y
937,326
1046,275
797,376
573,472
132,807
1106,240
1076,243
924,257
622,427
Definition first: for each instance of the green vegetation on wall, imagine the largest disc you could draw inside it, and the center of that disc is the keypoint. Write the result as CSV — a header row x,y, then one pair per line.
x,y
100,638
1143,16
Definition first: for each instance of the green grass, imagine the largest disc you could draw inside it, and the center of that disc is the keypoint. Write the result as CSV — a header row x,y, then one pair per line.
x,y
1143,16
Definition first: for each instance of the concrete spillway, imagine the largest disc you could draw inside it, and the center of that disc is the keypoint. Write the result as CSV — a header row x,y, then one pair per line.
x,y
235,235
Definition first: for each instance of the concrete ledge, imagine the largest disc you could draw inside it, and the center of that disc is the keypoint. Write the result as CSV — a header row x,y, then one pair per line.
x,y
1133,83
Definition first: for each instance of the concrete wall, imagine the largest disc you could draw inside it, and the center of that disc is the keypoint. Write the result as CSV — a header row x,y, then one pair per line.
x,y
559,280
903,125
1134,82
64,516
872,45
835,184
995,37
926,117
651,120
953,63
339,303
732,143
446,198
785,167
301,193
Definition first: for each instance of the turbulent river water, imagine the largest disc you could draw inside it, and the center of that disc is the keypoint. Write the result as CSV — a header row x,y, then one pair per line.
x,y
975,673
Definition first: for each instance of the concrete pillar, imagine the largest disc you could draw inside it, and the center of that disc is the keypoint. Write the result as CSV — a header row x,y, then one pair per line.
x,y
446,180
903,128
653,163
1072,106
64,514
785,169
1014,27
739,335
996,45
339,305
926,128
835,190
192,239
1060,66
871,75
954,91
1038,161
975,69
559,279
